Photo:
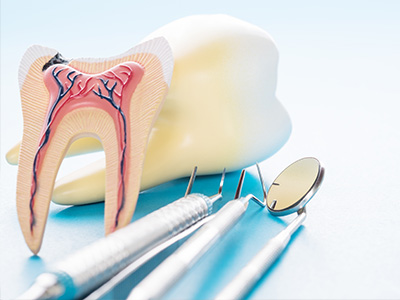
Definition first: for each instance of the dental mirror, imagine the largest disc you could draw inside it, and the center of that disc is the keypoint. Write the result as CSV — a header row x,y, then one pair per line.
x,y
295,186
289,193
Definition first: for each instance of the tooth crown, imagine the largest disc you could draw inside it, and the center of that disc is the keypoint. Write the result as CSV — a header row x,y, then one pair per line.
x,y
117,103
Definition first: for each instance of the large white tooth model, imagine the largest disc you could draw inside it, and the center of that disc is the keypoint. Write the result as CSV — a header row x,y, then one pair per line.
x,y
221,109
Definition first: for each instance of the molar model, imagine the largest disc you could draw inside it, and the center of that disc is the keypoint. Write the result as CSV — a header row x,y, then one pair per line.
x,y
115,100
220,111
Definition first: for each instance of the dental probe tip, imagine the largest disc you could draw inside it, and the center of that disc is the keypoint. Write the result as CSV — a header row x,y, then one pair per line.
x,y
218,196
221,184
262,183
191,181
240,184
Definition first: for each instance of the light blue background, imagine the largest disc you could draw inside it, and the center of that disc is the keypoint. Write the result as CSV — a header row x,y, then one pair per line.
x,y
339,78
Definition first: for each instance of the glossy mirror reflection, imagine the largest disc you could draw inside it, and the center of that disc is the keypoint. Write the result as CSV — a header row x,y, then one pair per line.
x,y
295,186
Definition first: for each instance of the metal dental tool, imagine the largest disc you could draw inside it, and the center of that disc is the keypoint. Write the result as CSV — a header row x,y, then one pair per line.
x,y
289,193
162,278
89,268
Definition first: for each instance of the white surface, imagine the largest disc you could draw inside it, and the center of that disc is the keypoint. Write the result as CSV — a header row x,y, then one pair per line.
x,y
339,75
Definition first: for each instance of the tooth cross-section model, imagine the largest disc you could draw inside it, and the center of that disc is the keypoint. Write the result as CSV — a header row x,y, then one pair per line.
x,y
115,100
220,111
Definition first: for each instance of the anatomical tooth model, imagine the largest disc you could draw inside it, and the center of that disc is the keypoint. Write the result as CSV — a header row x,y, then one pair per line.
x,y
115,100
220,111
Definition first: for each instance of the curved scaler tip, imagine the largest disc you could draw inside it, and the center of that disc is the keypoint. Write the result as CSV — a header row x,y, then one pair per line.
x,y
240,184
221,184
218,196
191,181
264,202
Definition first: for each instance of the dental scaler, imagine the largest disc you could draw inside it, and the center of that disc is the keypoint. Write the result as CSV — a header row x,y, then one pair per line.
x,y
89,268
177,264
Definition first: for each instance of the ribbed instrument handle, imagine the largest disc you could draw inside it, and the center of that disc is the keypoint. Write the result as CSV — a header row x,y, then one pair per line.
x,y
96,263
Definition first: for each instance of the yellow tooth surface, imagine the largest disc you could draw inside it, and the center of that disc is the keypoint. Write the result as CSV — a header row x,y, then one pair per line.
x,y
221,109
83,186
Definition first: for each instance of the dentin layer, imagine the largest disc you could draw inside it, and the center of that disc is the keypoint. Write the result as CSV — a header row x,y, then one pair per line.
x,y
115,100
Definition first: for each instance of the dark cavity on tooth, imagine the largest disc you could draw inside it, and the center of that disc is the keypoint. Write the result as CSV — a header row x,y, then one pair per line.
x,y
56,59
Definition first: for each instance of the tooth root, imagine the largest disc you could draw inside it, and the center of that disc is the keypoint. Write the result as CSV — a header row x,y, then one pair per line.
x,y
33,221
34,100
118,106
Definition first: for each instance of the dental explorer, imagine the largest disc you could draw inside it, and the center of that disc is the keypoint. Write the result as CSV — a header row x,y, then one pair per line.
x,y
290,192
90,267
163,277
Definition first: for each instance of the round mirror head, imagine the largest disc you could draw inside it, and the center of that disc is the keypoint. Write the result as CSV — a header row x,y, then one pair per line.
x,y
295,186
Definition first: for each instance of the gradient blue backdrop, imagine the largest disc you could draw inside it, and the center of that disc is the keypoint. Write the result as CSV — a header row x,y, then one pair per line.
x,y
339,76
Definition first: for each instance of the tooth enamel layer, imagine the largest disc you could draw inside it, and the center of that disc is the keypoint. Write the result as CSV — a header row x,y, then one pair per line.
x,y
118,106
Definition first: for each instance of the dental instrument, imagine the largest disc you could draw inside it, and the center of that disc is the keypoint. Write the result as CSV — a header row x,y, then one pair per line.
x,y
89,268
111,284
162,278
290,192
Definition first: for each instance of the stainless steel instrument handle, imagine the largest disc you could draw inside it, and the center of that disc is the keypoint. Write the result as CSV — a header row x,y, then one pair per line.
x,y
259,264
93,265
175,266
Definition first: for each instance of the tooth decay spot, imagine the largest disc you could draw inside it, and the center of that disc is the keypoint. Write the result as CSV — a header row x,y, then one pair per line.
x,y
56,59
70,89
